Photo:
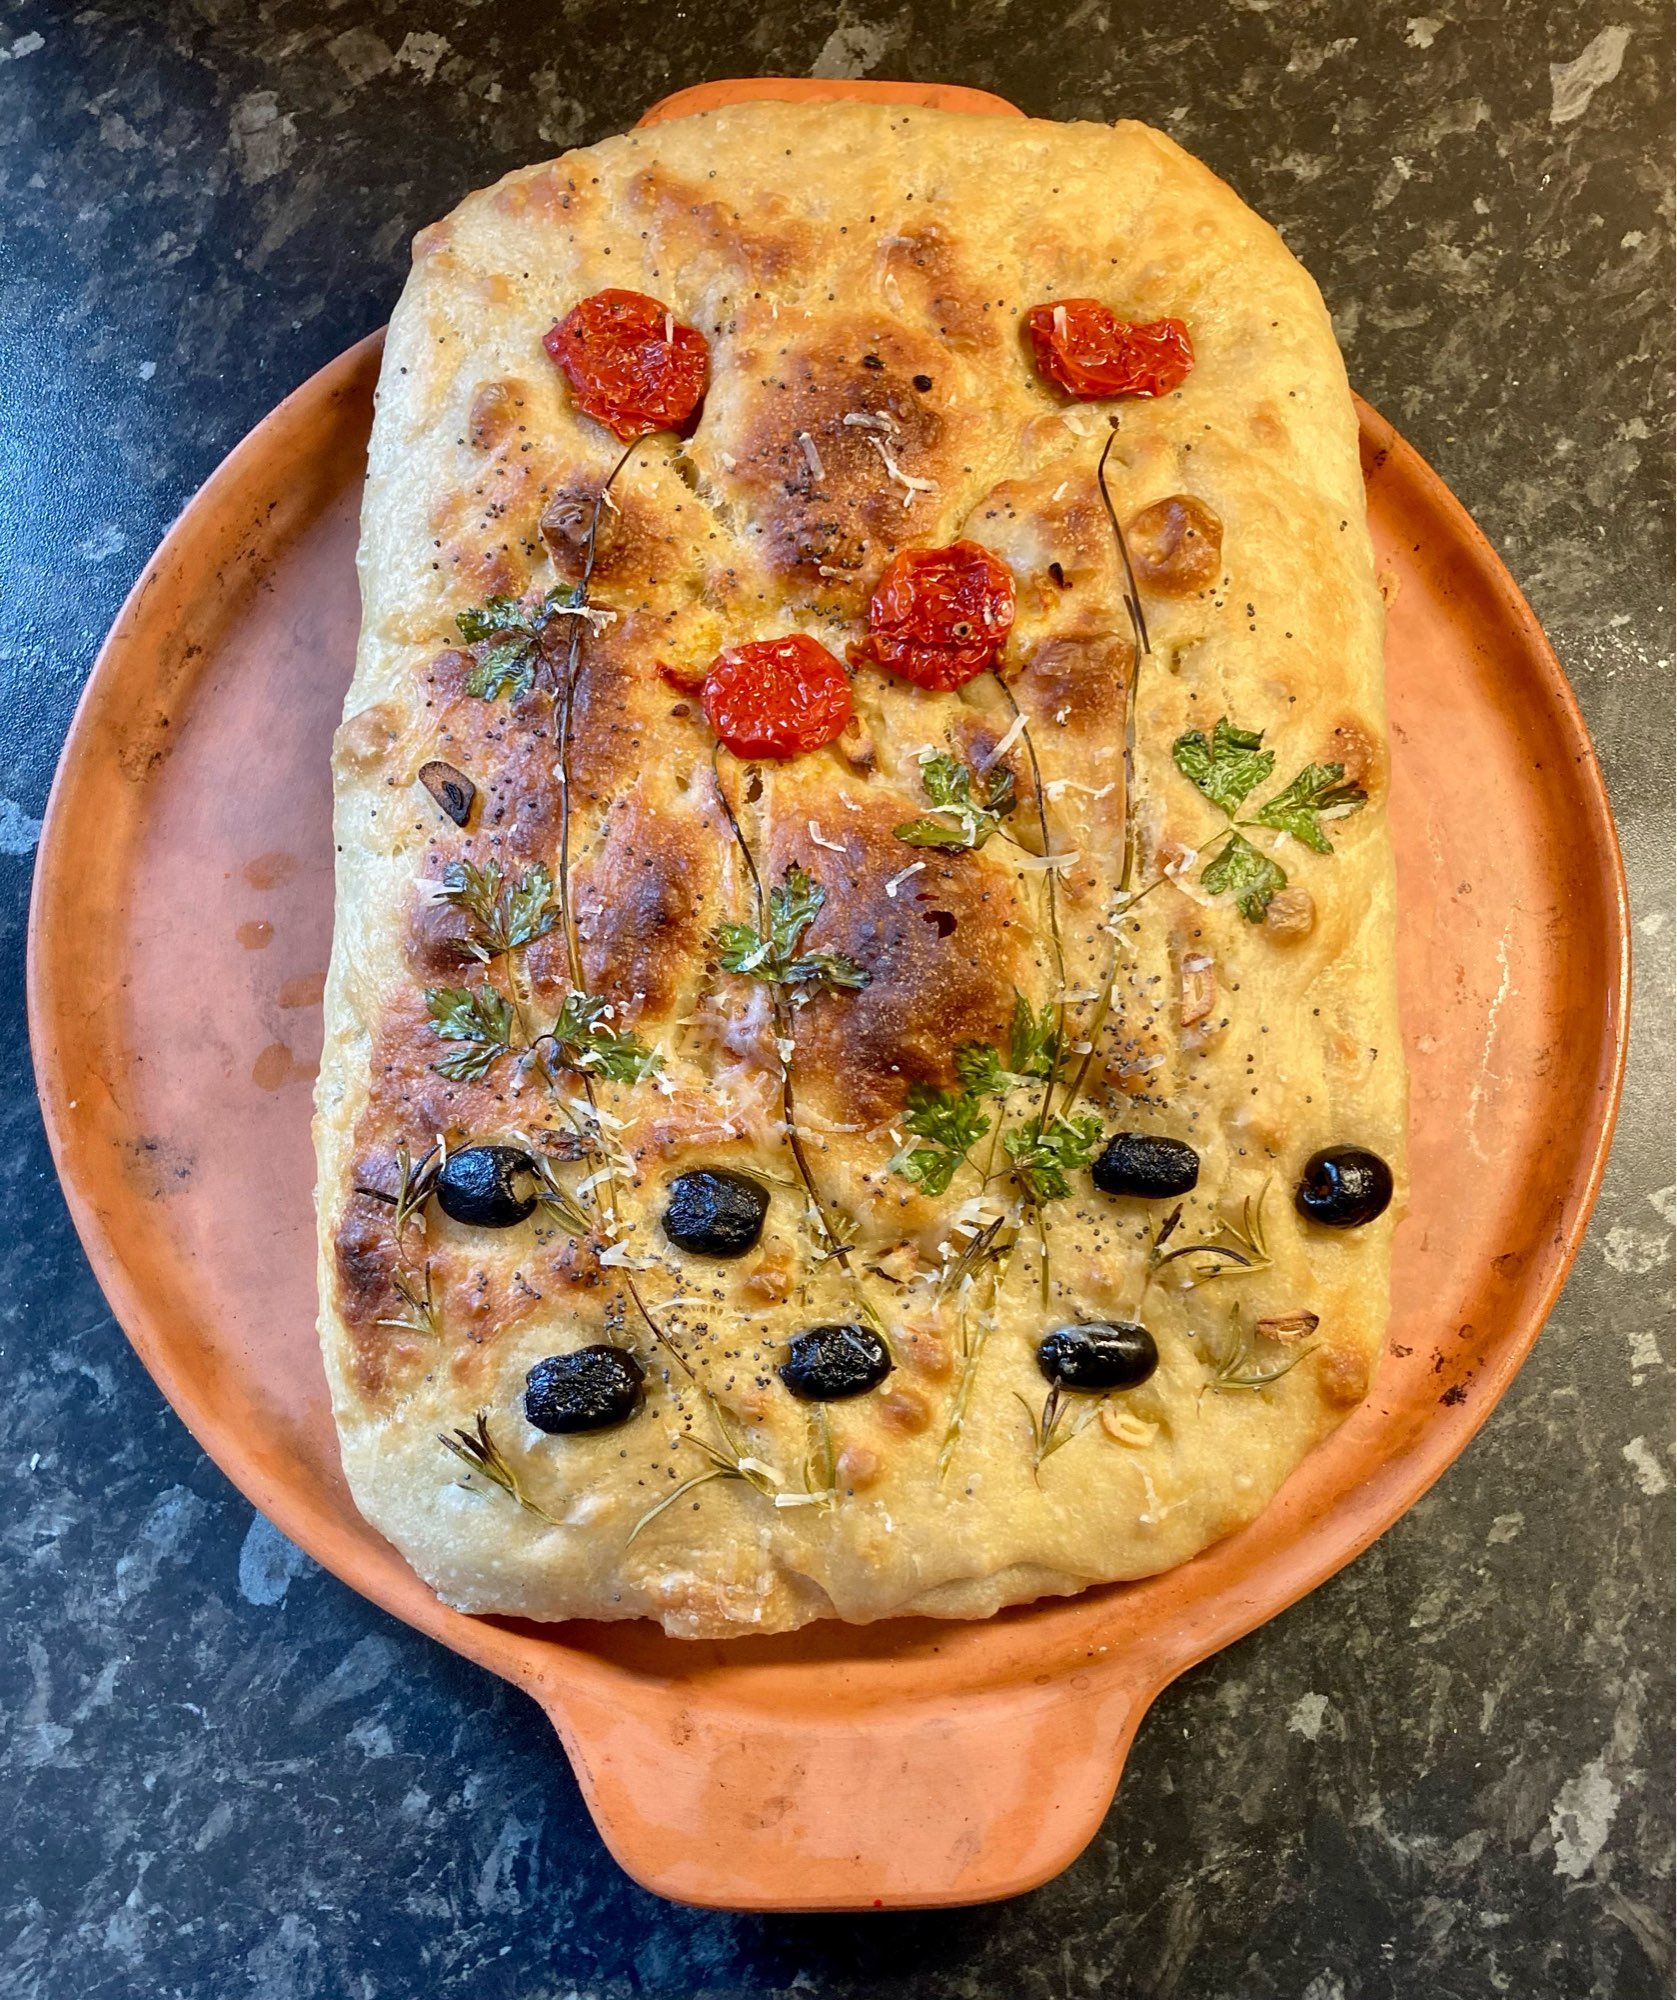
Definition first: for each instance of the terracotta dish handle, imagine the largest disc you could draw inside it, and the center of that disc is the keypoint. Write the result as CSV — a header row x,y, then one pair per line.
x,y
966,1797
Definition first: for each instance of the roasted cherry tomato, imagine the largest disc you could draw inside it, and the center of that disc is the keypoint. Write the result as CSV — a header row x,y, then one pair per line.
x,y
776,697
940,616
631,364
1084,348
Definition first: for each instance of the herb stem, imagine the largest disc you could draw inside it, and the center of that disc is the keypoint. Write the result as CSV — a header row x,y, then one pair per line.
x,y
835,1246
565,703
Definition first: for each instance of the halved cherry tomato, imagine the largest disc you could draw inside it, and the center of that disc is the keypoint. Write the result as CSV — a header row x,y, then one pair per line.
x,y
776,697
1084,348
939,617
631,364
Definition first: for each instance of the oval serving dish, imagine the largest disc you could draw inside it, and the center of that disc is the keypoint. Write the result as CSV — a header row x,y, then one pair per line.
x,y
179,935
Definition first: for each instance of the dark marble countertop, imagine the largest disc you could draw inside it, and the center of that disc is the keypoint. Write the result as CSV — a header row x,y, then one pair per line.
x,y
1448,1771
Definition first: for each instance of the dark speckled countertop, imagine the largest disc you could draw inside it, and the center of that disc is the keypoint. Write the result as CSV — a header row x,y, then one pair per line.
x,y
1448,1772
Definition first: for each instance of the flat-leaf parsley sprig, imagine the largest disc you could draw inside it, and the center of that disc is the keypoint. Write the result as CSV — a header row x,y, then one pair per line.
x,y
773,954
958,820
481,1027
502,915
1226,767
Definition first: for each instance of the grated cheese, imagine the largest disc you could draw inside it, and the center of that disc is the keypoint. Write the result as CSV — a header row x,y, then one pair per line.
x,y
911,486
1016,729
812,458
1045,861
897,881
1056,787
821,840
621,1258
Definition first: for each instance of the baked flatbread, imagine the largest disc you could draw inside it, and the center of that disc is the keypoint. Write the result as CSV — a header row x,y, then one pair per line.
x,y
1136,909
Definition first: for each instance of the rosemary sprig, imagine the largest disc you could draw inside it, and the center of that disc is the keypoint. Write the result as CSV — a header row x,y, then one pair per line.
x,y
729,1460
1234,1249
1233,1366
478,1450
415,1293
984,1245
1055,1427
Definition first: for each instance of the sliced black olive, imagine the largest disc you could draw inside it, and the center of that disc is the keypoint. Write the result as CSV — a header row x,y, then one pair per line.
x,y
453,791
491,1187
589,1389
1138,1163
1344,1187
1098,1354
830,1362
715,1212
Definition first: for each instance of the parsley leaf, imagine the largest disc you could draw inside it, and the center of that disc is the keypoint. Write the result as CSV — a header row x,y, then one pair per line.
x,y
1043,1159
1318,789
502,916
585,1044
1034,1042
1226,766
1251,875
776,960
980,1069
480,1024
952,1122
966,823
510,634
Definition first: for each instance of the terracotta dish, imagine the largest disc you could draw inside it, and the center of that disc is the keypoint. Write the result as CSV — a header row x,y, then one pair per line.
x,y
179,935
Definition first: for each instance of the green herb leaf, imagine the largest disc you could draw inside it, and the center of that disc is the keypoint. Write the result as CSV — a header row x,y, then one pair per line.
x,y
794,904
1225,766
585,1044
502,916
510,633
980,1069
1318,789
952,1121
1043,1159
478,1021
1034,1040
1250,876
507,667
967,823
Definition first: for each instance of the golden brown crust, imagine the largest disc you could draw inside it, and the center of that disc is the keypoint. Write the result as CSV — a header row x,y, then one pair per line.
x,y
869,391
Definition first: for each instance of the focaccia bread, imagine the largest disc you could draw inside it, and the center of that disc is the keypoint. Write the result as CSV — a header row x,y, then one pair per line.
x,y
917,1005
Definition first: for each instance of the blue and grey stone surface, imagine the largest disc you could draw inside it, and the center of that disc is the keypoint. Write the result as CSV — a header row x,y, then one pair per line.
x,y
1448,1772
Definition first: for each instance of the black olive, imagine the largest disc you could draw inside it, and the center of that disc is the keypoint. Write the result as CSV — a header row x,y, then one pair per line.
x,y
1344,1187
715,1212
831,1362
1138,1163
589,1389
491,1187
1098,1354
